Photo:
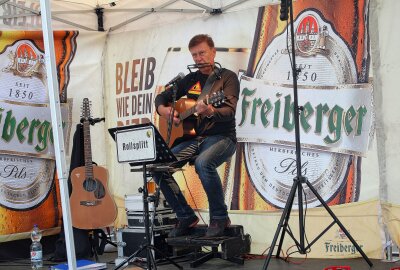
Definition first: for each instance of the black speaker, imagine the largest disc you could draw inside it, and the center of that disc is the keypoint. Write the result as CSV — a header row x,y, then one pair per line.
x,y
129,240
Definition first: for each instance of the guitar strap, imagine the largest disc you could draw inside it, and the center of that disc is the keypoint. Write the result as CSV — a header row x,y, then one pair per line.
x,y
210,83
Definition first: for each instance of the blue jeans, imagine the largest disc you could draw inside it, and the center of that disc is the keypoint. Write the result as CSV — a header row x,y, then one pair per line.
x,y
211,152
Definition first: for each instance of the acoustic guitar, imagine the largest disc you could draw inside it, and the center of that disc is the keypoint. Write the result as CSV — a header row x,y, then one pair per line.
x,y
186,107
91,204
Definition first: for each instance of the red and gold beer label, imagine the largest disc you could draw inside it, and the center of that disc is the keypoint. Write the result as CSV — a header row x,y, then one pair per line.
x,y
29,193
331,43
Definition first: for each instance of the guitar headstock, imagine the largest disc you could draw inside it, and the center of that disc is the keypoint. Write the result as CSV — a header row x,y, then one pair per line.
x,y
216,98
86,113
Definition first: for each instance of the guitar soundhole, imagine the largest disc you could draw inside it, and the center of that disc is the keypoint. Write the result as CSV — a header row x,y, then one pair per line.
x,y
100,191
90,184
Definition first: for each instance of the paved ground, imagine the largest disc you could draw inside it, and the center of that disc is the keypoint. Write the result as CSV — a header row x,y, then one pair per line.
x,y
252,264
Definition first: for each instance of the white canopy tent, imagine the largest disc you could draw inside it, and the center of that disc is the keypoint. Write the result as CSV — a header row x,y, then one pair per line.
x,y
132,15
119,15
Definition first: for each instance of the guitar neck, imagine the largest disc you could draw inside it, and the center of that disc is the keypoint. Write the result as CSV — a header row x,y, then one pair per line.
x,y
87,149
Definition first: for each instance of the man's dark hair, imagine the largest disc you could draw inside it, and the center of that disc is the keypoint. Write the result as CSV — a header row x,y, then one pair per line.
x,y
197,39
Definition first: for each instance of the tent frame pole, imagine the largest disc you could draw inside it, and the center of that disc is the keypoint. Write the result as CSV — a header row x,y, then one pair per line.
x,y
53,89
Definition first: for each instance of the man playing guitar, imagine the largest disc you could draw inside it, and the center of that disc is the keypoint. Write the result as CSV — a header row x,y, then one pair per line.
x,y
214,140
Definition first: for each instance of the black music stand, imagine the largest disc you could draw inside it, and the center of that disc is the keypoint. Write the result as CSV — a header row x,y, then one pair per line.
x,y
140,145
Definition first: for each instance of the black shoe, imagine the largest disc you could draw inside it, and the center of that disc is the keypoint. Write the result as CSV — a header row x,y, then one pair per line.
x,y
217,227
183,226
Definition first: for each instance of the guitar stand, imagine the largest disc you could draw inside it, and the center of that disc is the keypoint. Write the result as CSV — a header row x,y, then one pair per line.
x,y
97,247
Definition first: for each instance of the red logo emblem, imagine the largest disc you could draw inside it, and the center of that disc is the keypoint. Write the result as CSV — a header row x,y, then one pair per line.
x,y
307,34
26,58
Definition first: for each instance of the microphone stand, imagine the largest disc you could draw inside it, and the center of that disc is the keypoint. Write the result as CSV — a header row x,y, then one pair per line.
x,y
299,180
171,116
155,198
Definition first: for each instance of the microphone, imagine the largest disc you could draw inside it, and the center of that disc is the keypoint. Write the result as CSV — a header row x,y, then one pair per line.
x,y
285,5
176,79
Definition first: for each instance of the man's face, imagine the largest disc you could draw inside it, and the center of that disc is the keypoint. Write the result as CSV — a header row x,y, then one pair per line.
x,y
202,54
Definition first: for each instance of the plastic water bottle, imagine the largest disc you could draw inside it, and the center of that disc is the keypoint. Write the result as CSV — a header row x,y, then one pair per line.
x,y
36,248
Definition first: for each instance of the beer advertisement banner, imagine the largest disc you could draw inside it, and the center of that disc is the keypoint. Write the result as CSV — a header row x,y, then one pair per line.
x,y
339,151
28,189
336,123
337,117
338,120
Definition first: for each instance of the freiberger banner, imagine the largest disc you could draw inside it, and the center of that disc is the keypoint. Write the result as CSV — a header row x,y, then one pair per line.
x,y
332,55
332,58
334,119
28,190
29,134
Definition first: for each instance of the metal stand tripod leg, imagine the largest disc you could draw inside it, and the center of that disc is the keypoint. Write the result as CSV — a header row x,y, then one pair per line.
x,y
133,255
287,216
150,260
283,223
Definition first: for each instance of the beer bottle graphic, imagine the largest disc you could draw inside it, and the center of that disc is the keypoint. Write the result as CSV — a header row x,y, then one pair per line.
x,y
332,48
29,192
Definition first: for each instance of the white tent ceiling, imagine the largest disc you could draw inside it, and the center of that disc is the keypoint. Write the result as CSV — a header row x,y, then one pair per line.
x,y
117,15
